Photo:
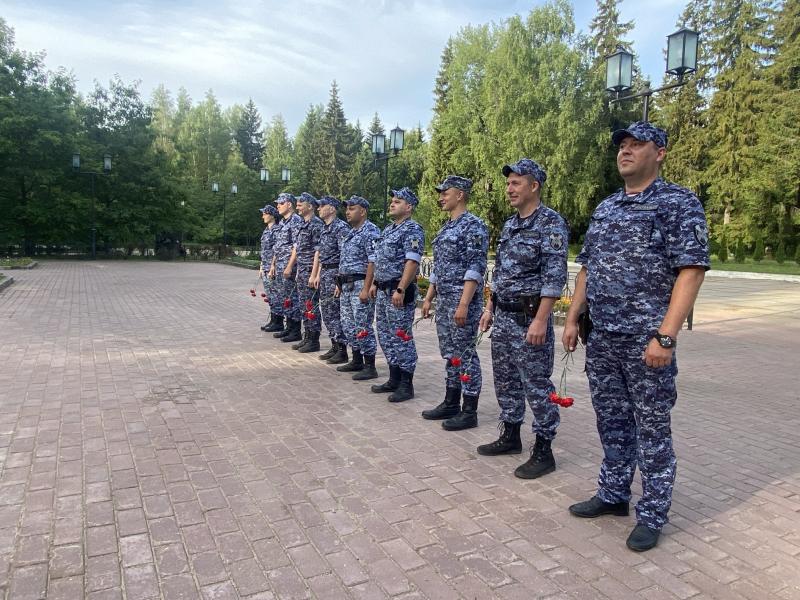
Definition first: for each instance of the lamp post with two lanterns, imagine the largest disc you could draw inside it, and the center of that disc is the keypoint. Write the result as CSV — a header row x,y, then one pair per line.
x,y
76,168
681,60
381,153
234,191
286,176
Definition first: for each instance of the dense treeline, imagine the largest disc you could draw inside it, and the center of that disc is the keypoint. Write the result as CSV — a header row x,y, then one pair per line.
x,y
529,86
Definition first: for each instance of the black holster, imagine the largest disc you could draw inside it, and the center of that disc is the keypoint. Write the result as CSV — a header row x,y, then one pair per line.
x,y
584,325
389,287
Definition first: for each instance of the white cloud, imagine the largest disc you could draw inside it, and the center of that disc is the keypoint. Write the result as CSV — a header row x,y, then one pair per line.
x,y
383,54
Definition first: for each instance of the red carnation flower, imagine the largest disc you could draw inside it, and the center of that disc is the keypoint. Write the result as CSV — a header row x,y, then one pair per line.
x,y
464,377
455,362
362,334
287,303
309,305
252,291
263,295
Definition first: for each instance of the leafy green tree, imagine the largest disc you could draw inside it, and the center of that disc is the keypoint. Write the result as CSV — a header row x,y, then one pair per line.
x,y
758,251
338,143
780,253
277,152
39,128
740,253
306,151
723,247
684,111
249,136
738,43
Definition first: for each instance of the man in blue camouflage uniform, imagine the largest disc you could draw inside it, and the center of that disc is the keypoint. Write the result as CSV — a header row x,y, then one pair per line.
x,y
355,278
529,275
643,262
269,215
283,270
326,268
459,266
305,248
396,257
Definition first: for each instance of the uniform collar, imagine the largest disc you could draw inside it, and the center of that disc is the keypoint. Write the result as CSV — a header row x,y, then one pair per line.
x,y
642,196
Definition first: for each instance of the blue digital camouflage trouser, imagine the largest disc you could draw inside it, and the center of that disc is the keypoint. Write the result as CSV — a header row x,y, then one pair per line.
x,y
633,403
270,289
522,371
287,289
330,305
307,294
357,317
455,341
389,319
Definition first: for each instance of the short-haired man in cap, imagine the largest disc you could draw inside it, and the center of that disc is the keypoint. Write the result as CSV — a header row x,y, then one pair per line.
x,y
396,256
283,269
269,215
459,267
305,248
323,278
529,276
355,279
642,264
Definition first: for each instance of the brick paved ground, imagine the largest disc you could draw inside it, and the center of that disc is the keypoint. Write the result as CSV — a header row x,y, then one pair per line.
x,y
154,443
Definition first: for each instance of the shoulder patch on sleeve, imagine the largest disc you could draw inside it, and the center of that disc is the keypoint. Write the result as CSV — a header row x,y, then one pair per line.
x,y
556,241
701,234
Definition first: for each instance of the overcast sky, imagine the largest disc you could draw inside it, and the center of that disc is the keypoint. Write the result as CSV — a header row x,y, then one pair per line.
x,y
384,54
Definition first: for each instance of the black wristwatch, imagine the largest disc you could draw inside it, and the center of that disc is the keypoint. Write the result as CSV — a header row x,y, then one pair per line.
x,y
665,341
400,290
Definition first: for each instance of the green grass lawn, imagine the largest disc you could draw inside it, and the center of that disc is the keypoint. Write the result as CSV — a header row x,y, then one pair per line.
x,y
15,262
765,266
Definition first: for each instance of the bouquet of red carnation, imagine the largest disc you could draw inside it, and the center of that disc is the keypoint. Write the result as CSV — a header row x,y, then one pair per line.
x,y
560,397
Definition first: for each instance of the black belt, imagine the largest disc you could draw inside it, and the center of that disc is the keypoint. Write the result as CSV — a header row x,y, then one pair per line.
x,y
352,278
388,286
512,307
330,265
522,305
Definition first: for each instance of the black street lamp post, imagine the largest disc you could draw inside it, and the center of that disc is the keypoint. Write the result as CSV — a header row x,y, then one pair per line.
x,y
681,60
286,176
380,153
234,191
76,168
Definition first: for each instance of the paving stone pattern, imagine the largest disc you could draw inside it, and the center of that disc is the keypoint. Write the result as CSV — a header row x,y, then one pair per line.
x,y
155,444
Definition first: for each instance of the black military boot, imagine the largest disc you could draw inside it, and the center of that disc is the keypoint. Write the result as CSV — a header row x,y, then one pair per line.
x,y
275,324
312,343
447,408
507,443
341,354
355,364
540,463
294,334
284,330
391,384
329,354
405,390
467,418
266,326
302,342
369,371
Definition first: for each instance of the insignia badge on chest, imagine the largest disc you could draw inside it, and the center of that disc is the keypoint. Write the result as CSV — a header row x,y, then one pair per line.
x,y
556,241
701,234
